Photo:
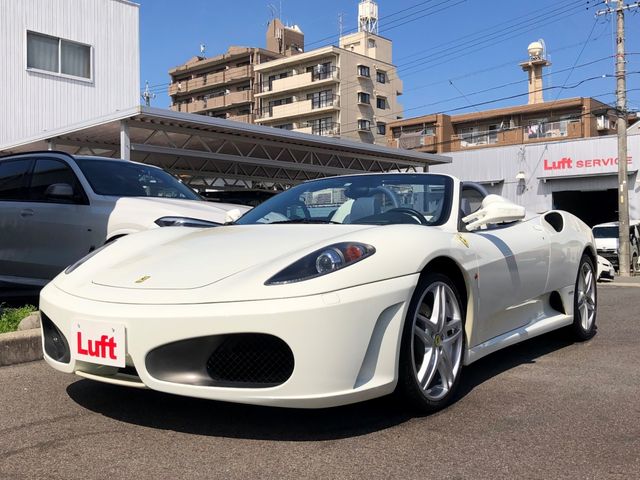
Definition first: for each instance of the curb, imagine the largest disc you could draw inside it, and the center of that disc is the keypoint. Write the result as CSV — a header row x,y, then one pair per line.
x,y
20,347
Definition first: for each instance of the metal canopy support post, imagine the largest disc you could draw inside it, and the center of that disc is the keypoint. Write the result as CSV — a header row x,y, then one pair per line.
x,y
125,141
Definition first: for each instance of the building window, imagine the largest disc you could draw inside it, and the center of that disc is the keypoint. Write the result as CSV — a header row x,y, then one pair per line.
x,y
323,126
382,128
364,124
381,77
543,128
472,136
321,99
322,71
372,43
363,71
285,126
55,55
381,103
364,98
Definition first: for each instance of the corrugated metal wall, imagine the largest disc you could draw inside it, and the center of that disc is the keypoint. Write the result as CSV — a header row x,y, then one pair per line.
x,y
32,102
578,171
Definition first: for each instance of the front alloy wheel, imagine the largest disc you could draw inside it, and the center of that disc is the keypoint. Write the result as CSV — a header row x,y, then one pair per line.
x,y
433,344
585,301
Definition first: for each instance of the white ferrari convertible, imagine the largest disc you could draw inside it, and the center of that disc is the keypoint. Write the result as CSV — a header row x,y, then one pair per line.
x,y
335,291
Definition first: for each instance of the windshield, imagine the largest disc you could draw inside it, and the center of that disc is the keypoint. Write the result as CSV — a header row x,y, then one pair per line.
x,y
379,199
121,178
605,232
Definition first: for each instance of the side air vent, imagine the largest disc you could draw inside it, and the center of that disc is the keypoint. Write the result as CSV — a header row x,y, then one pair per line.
x,y
555,220
555,302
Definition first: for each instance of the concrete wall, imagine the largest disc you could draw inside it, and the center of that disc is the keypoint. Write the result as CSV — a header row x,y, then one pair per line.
x,y
33,102
586,164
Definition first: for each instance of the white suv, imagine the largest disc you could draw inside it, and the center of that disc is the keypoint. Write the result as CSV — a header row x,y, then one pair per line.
x,y
55,208
606,236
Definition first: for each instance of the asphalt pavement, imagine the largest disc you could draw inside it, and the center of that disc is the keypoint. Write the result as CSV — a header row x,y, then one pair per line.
x,y
544,409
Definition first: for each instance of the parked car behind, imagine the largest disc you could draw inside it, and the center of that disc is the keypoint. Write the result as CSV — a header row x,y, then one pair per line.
x,y
605,269
55,208
606,236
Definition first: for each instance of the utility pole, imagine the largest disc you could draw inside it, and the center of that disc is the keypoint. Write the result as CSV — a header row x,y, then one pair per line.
x,y
624,258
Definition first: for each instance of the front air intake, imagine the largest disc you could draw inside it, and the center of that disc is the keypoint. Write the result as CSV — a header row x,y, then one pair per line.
x,y
251,360
55,343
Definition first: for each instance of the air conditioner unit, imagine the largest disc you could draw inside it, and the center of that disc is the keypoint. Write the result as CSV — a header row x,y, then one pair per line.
x,y
602,122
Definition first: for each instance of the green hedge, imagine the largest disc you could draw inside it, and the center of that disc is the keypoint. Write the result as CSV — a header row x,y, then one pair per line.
x,y
10,317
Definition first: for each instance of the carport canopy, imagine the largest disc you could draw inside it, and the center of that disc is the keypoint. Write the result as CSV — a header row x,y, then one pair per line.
x,y
212,152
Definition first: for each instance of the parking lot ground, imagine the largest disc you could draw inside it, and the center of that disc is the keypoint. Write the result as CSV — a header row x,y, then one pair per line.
x,y
547,408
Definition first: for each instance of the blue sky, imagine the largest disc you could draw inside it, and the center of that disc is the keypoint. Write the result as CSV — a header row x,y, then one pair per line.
x,y
451,54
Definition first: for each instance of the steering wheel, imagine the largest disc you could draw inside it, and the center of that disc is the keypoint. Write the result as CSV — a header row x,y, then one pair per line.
x,y
300,204
395,201
411,212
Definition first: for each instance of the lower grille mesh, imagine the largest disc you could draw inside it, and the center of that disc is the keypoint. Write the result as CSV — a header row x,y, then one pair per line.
x,y
251,360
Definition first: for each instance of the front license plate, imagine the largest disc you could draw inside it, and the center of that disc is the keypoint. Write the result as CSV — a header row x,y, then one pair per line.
x,y
101,343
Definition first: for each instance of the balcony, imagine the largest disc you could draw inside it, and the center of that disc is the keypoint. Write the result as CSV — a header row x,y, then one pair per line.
x,y
246,118
298,109
214,103
559,129
211,80
324,130
300,81
421,142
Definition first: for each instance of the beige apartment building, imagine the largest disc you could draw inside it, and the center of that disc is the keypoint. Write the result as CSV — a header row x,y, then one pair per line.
x,y
220,86
349,91
223,86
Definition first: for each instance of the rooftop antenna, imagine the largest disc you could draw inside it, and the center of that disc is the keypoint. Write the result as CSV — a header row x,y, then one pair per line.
x,y
341,23
203,49
273,10
147,96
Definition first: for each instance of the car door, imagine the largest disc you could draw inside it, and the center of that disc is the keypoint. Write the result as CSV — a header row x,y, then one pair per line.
x,y
14,209
513,265
59,230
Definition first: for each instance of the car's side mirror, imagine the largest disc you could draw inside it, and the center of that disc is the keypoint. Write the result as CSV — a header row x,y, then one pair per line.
x,y
495,209
59,191
233,215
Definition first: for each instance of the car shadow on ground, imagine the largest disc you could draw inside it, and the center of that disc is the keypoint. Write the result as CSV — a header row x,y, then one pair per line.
x,y
203,417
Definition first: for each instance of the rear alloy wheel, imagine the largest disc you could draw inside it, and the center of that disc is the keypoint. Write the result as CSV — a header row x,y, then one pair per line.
x,y
433,342
585,300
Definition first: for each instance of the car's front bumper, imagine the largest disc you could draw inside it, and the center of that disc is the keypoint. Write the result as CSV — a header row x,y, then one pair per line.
x,y
345,344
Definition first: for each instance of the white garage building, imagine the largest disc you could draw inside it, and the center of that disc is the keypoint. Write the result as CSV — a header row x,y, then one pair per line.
x,y
578,175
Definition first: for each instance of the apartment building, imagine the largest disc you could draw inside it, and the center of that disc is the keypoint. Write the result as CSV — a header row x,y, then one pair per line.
x,y
571,118
223,86
220,86
350,91
536,122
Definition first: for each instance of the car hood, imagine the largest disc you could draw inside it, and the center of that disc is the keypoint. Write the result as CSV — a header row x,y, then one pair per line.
x,y
207,256
606,243
177,265
162,207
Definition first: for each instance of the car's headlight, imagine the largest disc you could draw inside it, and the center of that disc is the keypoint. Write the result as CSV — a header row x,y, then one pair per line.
x,y
73,266
323,261
184,222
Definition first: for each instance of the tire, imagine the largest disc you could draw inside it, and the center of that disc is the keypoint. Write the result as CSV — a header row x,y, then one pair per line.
x,y
432,349
585,301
